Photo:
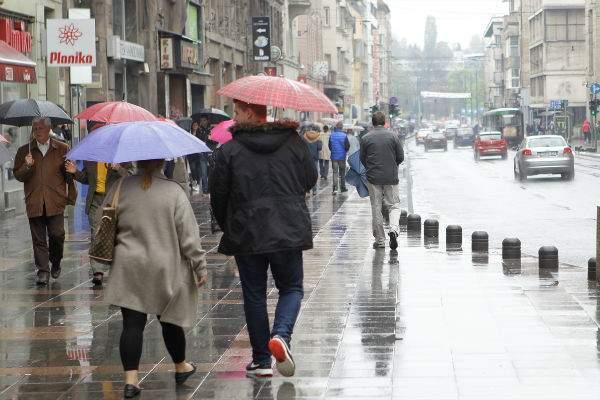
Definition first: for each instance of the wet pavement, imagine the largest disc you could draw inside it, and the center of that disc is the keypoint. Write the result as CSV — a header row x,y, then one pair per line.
x,y
419,323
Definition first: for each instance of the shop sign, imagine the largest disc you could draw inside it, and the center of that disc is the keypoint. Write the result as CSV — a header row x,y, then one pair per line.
x,y
123,50
17,73
261,38
166,53
71,42
13,33
190,57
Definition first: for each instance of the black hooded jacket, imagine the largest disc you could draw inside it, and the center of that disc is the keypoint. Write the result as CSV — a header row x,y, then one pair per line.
x,y
257,189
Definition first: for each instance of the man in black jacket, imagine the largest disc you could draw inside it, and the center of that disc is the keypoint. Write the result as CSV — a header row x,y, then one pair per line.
x,y
257,192
381,153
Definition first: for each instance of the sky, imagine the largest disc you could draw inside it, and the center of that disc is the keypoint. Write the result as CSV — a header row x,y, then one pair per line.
x,y
457,20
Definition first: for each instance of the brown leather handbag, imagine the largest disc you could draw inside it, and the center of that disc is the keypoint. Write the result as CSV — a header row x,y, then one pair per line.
x,y
102,246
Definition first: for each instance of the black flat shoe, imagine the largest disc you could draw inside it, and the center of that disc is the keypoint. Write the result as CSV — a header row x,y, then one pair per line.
x,y
98,278
131,391
43,278
55,272
181,377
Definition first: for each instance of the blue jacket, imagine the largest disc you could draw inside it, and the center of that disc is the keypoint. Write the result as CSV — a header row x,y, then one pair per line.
x,y
339,145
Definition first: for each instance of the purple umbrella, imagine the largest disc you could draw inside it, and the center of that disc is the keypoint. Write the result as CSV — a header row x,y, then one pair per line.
x,y
135,141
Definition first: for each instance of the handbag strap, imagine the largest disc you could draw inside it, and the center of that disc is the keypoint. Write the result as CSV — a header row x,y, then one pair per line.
x,y
115,199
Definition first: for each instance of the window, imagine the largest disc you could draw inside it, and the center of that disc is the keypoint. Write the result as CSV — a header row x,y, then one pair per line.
x,y
536,59
327,19
562,25
498,66
516,77
117,7
193,23
498,40
125,19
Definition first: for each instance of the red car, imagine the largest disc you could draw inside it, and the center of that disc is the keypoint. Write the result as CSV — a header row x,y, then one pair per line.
x,y
490,144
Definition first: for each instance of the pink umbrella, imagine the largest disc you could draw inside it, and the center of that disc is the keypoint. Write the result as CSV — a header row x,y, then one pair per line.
x,y
220,132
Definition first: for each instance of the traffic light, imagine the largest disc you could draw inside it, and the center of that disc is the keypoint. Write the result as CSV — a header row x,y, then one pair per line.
x,y
374,109
594,103
394,110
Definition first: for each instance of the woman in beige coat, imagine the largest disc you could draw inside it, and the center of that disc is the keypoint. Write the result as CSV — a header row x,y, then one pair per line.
x,y
157,268
324,154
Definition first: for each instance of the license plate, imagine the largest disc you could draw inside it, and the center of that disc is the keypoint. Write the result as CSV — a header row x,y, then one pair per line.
x,y
548,154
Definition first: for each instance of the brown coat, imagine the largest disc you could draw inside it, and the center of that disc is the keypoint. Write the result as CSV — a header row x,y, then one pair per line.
x,y
46,180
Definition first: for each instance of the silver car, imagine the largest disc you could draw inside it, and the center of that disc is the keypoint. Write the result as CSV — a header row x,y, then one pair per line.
x,y
547,154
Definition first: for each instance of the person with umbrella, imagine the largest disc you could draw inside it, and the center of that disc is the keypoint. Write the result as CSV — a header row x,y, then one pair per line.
x,y
339,146
40,165
257,190
100,177
201,162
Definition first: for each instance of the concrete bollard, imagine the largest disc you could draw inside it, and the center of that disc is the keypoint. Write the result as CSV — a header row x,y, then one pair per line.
x,y
403,218
454,237
480,242
592,269
548,257
511,249
413,223
431,228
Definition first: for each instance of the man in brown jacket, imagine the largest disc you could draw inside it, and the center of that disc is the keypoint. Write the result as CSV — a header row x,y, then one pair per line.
x,y
40,165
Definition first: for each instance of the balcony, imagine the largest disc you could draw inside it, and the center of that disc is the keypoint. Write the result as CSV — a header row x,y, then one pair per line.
x,y
332,83
298,7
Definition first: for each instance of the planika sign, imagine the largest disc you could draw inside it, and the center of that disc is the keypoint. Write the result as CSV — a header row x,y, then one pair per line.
x,y
71,42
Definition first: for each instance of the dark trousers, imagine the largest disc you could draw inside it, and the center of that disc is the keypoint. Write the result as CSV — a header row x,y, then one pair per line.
x,y
132,339
288,273
201,172
324,168
48,238
339,173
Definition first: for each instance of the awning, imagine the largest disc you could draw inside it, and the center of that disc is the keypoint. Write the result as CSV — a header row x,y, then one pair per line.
x,y
15,66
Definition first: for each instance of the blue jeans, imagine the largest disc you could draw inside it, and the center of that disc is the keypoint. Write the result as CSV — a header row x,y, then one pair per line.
x,y
288,273
324,168
202,173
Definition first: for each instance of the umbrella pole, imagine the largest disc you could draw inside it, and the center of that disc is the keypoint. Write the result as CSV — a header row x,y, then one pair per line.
x,y
2,188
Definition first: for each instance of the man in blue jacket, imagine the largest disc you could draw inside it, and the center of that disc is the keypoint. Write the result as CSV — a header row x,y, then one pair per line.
x,y
339,146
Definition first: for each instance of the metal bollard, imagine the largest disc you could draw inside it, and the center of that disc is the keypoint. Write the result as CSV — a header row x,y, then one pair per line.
x,y
548,257
511,249
453,237
403,218
431,228
413,223
480,242
592,269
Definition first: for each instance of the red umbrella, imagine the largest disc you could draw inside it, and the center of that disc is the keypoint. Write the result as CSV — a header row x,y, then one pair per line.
x,y
3,140
113,112
278,92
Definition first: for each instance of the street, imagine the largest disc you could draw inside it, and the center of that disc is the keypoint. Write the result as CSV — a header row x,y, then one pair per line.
x,y
544,210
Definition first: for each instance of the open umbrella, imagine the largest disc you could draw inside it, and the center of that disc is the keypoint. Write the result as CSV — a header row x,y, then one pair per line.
x,y
214,115
135,141
220,132
184,123
22,112
330,121
278,92
3,140
112,112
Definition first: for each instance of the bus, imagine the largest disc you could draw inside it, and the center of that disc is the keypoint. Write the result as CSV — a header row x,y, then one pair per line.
x,y
509,121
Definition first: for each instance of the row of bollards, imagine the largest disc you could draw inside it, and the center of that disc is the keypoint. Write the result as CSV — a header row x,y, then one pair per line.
x,y
511,247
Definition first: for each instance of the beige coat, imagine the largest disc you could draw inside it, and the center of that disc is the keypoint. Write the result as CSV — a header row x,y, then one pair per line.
x,y
158,254
325,153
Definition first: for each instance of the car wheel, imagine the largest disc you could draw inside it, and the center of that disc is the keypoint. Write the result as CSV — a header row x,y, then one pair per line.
x,y
504,156
515,172
477,156
568,176
426,148
522,175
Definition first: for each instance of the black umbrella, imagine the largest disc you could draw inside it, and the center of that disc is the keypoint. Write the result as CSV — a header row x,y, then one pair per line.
x,y
22,112
214,115
184,123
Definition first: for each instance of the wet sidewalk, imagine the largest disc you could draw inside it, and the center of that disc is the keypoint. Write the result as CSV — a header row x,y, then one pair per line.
x,y
419,323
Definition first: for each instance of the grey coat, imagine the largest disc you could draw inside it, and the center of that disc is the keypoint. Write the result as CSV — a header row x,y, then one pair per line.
x,y
381,152
158,253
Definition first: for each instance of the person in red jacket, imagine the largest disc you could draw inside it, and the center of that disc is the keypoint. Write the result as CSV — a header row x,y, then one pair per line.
x,y
585,129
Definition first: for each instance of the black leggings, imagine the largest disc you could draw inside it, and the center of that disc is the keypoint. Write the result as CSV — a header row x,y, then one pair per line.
x,y
132,339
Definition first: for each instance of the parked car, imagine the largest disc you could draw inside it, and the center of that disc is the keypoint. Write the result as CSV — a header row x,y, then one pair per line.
x,y
421,135
436,140
450,132
547,154
464,137
490,144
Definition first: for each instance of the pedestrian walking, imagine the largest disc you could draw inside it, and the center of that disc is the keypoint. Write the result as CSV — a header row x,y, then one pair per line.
x,y
585,129
381,153
194,161
177,170
312,137
257,192
100,177
324,154
157,267
40,165
339,146
203,133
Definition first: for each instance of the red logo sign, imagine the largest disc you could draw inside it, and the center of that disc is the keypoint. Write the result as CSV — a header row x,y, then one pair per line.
x,y
69,34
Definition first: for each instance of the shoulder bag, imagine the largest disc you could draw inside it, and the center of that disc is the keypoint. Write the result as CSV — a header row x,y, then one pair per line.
x,y
102,246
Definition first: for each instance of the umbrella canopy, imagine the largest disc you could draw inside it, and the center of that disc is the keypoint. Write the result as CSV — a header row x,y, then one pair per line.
x,y
220,133
278,92
22,112
135,141
214,115
167,120
184,123
3,140
330,121
112,112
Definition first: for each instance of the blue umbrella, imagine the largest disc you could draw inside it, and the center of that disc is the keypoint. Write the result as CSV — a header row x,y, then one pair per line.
x,y
135,141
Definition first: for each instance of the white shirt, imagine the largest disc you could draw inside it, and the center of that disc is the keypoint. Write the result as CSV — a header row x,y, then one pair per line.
x,y
44,147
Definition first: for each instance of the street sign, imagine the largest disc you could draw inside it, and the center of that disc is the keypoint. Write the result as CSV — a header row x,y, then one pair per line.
x,y
595,88
393,100
261,38
558,104
71,42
